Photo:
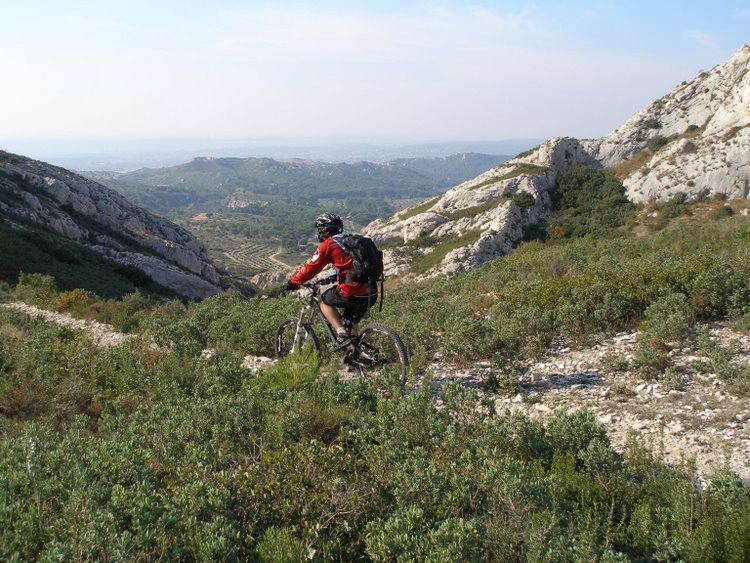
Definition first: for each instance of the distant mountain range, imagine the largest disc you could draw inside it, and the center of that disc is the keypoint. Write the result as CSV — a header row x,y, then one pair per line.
x,y
55,221
130,155
212,184
256,214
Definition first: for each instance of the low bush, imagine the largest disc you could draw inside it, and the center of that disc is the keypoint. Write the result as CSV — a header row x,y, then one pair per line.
x,y
668,320
185,458
36,289
656,142
721,212
77,302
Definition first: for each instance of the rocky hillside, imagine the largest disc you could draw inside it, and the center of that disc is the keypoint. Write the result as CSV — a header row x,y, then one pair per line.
x,y
694,140
35,195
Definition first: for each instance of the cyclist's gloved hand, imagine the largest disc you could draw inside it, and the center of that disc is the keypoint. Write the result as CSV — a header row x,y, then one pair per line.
x,y
289,286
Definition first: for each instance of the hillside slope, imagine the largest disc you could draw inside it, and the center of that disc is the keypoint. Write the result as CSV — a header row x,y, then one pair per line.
x,y
38,200
695,140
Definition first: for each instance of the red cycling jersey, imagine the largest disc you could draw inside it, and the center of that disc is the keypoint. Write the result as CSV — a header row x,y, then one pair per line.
x,y
329,252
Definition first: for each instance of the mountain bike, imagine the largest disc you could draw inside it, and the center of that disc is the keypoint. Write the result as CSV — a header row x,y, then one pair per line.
x,y
377,347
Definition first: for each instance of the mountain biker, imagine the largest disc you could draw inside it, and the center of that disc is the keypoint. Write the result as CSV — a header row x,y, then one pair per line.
x,y
353,297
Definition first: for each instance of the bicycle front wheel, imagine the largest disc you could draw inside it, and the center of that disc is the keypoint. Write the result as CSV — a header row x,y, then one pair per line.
x,y
381,349
291,338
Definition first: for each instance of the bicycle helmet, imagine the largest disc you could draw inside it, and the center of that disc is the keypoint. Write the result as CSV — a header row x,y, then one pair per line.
x,y
328,224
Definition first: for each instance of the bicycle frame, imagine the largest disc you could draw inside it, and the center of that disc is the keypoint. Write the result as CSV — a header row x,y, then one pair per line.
x,y
306,314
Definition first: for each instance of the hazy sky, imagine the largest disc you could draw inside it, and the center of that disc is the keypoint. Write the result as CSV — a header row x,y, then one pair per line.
x,y
369,70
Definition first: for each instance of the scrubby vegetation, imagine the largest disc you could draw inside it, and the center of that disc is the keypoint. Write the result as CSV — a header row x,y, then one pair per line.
x,y
589,202
143,452
136,453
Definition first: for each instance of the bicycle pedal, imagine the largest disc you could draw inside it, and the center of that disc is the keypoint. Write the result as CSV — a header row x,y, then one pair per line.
x,y
342,345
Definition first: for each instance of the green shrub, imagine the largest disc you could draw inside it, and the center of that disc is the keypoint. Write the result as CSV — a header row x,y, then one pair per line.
x,y
721,212
720,289
693,131
125,314
650,360
656,142
589,201
278,545
613,363
689,148
36,289
504,378
668,320
574,433
524,200
77,302
407,536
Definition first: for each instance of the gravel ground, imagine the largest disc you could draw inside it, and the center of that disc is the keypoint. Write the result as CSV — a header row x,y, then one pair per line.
x,y
700,421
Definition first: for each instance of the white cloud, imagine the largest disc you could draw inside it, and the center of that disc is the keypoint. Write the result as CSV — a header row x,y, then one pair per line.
x,y
325,35
702,38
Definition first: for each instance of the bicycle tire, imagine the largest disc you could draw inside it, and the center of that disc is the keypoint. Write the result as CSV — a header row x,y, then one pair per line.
x,y
284,341
380,347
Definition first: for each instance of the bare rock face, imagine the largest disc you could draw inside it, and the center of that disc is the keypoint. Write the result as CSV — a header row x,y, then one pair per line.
x,y
492,212
91,214
694,140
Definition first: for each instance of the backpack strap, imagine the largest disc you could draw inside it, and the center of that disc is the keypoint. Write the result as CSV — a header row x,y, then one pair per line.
x,y
380,307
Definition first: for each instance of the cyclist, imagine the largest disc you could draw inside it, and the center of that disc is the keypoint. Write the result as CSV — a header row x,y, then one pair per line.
x,y
353,297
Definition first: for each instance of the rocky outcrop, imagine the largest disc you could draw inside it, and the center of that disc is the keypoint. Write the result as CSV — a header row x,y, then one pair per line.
x,y
86,212
695,140
499,206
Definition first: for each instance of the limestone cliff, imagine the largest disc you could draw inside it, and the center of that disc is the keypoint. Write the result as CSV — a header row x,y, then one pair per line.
x,y
695,139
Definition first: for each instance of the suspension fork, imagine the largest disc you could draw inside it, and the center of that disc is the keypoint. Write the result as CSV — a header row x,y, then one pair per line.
x,y
301,320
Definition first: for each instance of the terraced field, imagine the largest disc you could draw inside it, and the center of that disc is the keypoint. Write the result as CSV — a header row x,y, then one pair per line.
x,y
255,257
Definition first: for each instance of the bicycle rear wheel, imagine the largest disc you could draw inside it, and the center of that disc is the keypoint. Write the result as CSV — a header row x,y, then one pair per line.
x,y
289,339
380,349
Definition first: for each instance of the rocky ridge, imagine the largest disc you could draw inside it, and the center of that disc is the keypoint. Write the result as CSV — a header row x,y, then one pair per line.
x,y
41,195
694,140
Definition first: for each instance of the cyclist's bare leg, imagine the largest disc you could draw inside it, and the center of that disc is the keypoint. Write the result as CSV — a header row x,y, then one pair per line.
x,y
332,316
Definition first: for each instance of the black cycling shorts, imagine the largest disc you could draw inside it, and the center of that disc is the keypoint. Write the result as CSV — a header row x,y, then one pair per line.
x,y
353,308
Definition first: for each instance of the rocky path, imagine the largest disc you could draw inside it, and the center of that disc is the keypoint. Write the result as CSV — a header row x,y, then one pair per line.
x,y
698,421
102,334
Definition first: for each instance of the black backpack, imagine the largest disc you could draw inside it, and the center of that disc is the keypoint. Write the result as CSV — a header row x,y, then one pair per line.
x,y
367,258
